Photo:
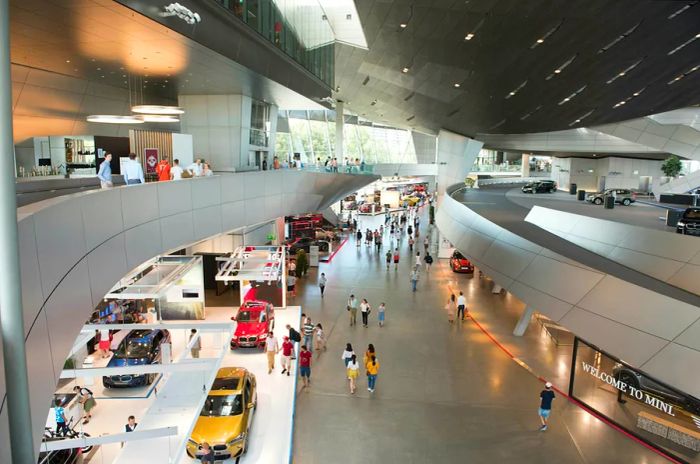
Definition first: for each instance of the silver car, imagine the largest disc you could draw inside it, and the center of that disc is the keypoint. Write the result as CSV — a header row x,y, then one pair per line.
x,y
622,196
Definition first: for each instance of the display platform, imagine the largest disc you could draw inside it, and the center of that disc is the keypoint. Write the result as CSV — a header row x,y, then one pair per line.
x,y
271,435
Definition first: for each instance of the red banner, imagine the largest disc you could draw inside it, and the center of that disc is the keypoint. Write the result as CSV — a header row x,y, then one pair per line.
x,y
151,155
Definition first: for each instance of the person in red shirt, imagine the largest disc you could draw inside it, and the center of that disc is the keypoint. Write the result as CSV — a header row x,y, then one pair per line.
x,y
305,365
287,351
163,170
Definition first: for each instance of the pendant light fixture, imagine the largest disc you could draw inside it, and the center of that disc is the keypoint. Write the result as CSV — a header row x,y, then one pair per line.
x,y
157,109
115,119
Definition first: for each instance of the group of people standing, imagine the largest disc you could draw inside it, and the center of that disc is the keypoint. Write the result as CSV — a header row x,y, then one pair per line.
x,y
352,367
133,171
365,311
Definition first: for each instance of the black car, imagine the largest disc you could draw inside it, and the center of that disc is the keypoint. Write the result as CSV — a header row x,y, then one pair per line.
x,y
540,186
138,348
305,244
641,382
689,223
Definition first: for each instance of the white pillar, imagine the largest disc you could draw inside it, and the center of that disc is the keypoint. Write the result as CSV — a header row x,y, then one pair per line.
x,y
524,321
339,132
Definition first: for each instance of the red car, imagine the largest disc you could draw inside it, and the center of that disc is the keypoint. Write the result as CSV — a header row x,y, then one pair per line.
x,y
461,264
253,321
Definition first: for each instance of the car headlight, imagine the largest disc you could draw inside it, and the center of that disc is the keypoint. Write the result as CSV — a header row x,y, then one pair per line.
x,y
235,440
681,224
235,337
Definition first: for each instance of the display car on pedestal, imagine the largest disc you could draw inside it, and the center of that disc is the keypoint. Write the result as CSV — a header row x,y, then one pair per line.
x,y
139,347
227,415
253,322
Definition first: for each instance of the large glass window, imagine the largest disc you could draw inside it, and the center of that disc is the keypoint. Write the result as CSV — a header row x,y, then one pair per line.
x,y
655,412
297,27
312,134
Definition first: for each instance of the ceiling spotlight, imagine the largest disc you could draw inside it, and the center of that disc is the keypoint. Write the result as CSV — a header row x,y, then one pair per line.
x,y
539,41
557,71
404,70
622,102
115,119
566,99
511,94
621,74
157,109
697,36
403,25
457,85
67,61
469,36
636,94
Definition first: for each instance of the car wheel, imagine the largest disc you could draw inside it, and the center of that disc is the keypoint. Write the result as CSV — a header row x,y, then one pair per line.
x,y
598,201
626,202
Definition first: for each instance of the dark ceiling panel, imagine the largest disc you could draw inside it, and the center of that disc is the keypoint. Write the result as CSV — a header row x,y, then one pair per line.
x,y
504,53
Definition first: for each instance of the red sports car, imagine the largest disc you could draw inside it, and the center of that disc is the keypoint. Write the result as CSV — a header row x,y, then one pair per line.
x,y
461,264
253,321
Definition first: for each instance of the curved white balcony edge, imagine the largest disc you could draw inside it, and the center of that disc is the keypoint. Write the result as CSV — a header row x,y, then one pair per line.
x,y
656,333
74,248
672,258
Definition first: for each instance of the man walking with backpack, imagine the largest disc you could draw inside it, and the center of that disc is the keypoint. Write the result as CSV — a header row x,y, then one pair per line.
x,y
295,337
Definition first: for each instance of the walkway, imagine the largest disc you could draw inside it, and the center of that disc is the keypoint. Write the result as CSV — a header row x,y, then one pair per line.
x,y
445,394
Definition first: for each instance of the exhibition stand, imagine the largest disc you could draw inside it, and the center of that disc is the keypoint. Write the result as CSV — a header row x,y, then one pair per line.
x,y
260,271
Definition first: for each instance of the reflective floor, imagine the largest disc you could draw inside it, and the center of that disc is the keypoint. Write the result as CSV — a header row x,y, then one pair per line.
x,y
445,393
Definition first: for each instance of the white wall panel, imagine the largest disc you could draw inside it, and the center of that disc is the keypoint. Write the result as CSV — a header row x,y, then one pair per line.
x,y
139,204
679,363
174,197
176,230
631,345
39,351
103,220
640,308
32,293
142,243
553,307
60,238
206,191
106,265
562,281
232,215
207,221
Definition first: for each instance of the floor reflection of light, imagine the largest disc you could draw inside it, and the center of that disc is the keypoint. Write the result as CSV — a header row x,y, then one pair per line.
x,y
586,418
562,367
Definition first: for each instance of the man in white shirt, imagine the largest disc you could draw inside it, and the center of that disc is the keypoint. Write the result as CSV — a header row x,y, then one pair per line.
x,y
196,168
176,171
271,349
461,305
133,171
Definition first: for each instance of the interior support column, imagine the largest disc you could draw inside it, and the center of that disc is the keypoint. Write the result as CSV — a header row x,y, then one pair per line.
x,y
524,321
339,121
11,317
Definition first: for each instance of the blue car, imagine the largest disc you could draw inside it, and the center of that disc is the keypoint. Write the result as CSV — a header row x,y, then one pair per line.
x,y
138,347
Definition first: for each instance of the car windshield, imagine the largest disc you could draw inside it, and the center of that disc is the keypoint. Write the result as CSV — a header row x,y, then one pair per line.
x,y
219,406
458,255
248,316
692,214
133,348
225,383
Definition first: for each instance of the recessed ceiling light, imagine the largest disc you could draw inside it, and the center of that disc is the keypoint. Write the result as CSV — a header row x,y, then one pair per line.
x,y
557,71
622,102
512,93
469,36
539,41
403,25
621,74
404,70
67,61
457,85
697,36
636,94
566,99
594,154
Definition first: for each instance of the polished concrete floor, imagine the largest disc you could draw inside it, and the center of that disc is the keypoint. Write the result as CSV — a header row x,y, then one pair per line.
x,y
445,393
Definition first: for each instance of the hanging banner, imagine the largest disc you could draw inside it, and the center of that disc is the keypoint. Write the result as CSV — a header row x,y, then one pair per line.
x,y
151,157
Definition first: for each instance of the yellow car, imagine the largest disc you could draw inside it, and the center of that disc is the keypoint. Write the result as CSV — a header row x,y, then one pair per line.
x,y
411,201
227,415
